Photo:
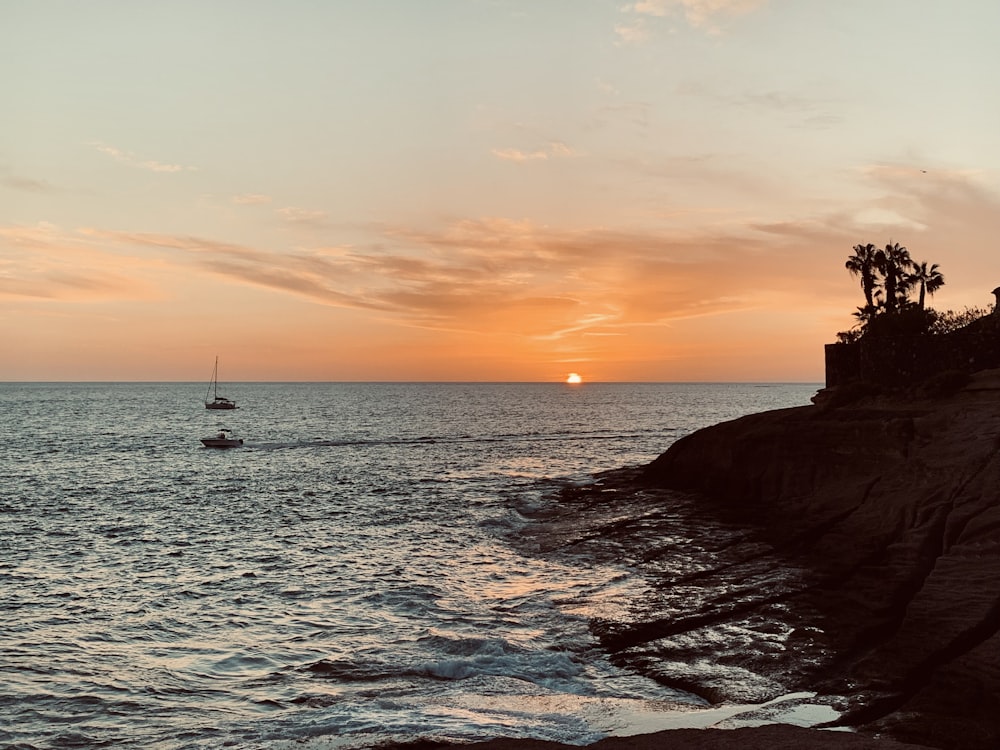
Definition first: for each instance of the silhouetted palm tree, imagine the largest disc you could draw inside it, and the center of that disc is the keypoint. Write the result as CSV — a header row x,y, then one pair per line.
x,y
894,263
863,264
864,316
929,279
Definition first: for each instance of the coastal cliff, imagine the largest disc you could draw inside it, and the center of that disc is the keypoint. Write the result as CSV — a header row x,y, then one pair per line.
x,y
890,505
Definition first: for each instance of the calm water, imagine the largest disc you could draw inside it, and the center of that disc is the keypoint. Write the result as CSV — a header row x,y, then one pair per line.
x,y
346,577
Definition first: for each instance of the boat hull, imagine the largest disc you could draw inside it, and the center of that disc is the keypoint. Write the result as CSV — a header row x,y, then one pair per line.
x,y
221,442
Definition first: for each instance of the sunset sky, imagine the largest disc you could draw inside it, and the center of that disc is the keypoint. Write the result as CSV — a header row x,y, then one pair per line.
x,y
498,190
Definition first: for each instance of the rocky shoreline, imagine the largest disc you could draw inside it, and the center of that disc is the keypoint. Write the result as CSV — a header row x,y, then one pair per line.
x,y
850,549
890,501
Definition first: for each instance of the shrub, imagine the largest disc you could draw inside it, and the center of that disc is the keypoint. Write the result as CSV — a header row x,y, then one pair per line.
x,y
950,321
909,321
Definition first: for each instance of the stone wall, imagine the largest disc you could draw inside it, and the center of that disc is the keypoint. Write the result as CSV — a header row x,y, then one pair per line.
x,y
843,364
902,360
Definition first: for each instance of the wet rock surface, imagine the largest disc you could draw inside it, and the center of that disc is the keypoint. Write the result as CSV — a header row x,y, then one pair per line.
x,y
714,618
852,550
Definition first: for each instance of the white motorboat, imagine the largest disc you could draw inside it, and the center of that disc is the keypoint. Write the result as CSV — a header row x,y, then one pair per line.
x,y
223,439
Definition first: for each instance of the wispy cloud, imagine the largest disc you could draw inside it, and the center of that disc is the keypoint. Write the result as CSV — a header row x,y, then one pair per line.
x,y
295,215
552,150
251,199
708,15
126,157
513,154
606,87
44,262
634,32
810,111
637,114
26,184
501,275
307,274
518,278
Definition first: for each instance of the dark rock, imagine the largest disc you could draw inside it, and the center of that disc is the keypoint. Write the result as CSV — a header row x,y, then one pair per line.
x,y
893,505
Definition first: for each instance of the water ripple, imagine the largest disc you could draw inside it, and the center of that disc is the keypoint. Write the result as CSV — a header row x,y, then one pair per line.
x,y
349,570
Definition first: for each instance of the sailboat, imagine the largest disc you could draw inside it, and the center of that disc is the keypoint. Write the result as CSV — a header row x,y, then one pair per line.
x,y
217,402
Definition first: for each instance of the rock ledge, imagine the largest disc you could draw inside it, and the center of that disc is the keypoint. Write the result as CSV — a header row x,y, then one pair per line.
x,y
894,505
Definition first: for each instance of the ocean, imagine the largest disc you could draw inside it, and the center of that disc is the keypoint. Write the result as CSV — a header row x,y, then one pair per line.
x,y
351,575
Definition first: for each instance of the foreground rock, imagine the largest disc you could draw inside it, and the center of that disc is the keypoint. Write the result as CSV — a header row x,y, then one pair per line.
x,y
891,508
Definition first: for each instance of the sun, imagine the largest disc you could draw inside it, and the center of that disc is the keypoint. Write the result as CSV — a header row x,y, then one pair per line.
x,y
573,378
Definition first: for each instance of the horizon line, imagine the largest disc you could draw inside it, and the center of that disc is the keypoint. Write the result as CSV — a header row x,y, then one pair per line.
x,y
235,383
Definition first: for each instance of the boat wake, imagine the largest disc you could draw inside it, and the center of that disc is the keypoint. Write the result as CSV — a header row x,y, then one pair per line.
x,y
319,442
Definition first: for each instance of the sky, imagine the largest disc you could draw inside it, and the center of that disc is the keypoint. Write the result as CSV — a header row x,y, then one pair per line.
x,y
480,190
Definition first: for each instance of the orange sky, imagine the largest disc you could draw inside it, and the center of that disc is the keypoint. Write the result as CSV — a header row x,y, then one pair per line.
x,y
656,191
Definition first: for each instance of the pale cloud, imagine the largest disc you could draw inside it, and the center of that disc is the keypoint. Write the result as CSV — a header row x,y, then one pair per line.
x,y
251,199
310,274
513,154
635,113
42,262
703,14
495,275
26,184
960,213
603,281
821,121
606,87
595,281
632,33
553,150
294,215
652,7
812,112
126,157
559,149
42,234
586,325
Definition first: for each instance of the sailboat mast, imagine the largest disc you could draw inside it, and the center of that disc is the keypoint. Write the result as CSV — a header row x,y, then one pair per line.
x,y
218,402
214,382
